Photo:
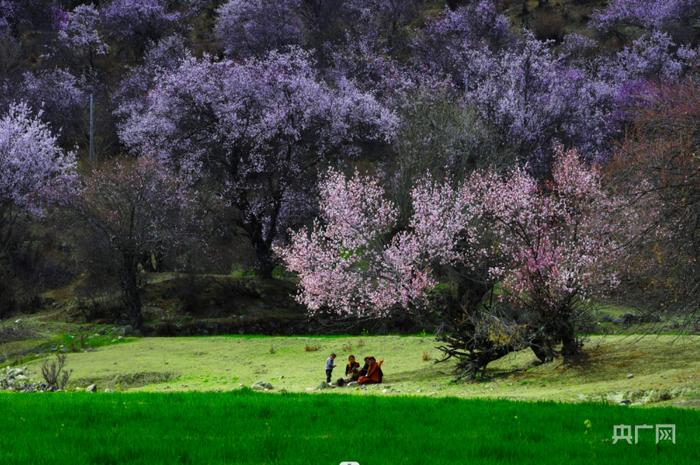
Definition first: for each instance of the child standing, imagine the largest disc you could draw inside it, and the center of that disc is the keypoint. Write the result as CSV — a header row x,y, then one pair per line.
x,y
329,367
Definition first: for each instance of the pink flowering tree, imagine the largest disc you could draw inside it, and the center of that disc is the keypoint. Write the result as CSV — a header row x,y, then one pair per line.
x,y
358,260
546,247
558,245
351,259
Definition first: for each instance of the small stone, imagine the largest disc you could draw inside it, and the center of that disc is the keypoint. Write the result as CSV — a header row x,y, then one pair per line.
x,y
630,376
262,386
384,391
625,402
91,388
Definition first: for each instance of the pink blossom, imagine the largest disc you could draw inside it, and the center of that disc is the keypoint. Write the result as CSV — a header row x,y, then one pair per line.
x,y
547,243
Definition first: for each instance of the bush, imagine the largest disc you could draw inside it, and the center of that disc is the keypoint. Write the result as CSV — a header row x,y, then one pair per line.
x,y
54,373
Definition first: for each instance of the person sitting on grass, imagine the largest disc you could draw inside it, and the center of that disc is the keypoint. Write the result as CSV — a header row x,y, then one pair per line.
x,y
374,372
352,369
329,367
365,367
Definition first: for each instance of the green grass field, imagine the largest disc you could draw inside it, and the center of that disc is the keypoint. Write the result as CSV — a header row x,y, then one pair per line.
x,y
250,428
663,369
418,416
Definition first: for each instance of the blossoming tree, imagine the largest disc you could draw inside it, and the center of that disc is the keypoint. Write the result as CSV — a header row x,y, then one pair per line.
x,y
547,245
34,170
131,211
259,130
34,173
248,27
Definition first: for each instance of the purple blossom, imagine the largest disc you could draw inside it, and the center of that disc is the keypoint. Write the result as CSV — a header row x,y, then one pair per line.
x,y
535,100
380,22
259,128
446,44
7,12
139,19
253,27
163,56
59,95
651,58
34,170
652,14
576,47
80,30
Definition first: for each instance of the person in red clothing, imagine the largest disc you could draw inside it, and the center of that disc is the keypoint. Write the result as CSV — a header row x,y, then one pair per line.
x,y
374,372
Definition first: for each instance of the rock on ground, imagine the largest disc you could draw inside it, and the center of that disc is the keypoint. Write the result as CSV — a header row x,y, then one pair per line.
x,y
262,386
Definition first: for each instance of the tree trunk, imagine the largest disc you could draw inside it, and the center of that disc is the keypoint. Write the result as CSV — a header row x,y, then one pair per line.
x,y
264,258
264,262
131,290
542,348
134,310
569,345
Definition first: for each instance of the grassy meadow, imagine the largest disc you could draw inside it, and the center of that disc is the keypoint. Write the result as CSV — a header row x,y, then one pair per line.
x,y
644,369
186,400
253,428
